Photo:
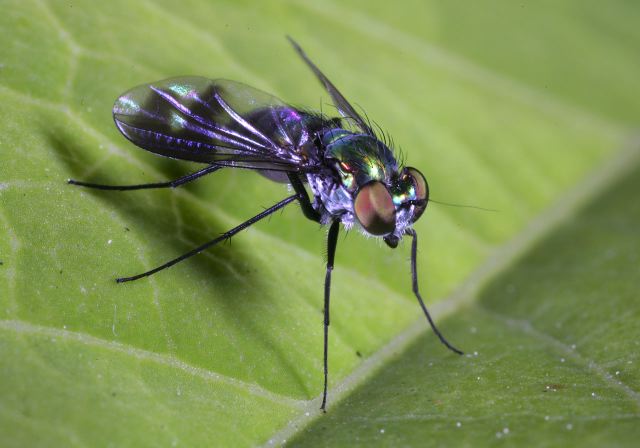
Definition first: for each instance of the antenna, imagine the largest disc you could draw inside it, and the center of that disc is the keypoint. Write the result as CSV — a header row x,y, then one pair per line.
x,y
464,206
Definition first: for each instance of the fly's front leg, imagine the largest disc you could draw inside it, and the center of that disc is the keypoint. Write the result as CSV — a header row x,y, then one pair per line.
x,y
416,291
303,198
332,241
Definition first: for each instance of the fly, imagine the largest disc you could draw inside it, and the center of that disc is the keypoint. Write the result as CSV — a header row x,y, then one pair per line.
x,y
353,176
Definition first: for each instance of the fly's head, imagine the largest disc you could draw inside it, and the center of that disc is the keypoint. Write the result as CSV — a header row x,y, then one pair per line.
x,y
383,199
387,209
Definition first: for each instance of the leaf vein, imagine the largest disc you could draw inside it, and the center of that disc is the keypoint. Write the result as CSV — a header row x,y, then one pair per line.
x,y
529,329
26,328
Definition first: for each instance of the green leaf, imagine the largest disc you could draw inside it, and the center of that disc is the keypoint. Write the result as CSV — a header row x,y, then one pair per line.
x,y
226,348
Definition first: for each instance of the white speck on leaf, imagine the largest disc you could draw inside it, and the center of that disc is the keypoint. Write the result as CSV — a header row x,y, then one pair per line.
x,y
113,326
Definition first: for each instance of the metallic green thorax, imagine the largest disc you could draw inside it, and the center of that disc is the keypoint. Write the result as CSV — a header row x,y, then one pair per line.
x,y
359,158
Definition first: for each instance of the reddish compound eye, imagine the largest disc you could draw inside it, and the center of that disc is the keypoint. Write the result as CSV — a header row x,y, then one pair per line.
x,y
422,191
374,209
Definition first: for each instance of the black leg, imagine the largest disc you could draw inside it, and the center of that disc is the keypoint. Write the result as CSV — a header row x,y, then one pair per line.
x,y
224,236
303,198
332,241
170,184
414,282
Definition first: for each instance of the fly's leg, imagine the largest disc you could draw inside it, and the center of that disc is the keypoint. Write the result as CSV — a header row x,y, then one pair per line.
x,y
171,184
303,198
332,241
224,236
414,284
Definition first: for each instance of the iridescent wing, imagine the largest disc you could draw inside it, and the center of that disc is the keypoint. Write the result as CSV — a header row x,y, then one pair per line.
x,y
205,120
343,106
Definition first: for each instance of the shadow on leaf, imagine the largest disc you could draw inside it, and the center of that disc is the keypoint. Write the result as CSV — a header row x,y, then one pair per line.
x,y
174,223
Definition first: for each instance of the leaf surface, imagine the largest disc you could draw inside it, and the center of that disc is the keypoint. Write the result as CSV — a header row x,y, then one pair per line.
x,y
226,348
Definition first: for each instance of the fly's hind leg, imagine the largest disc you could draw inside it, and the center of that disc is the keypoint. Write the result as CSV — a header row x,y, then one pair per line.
x,y
170,184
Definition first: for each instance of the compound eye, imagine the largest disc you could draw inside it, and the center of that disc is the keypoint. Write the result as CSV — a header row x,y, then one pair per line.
x,y
422,192
374,209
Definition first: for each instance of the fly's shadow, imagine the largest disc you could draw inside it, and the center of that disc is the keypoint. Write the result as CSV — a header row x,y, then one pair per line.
x,y
217,269
168,218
